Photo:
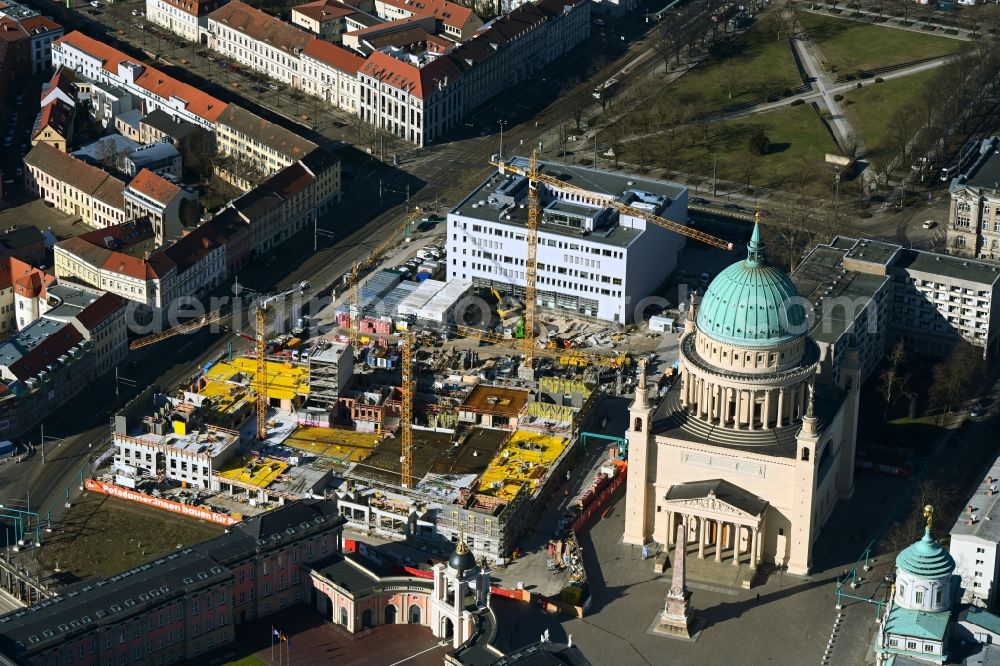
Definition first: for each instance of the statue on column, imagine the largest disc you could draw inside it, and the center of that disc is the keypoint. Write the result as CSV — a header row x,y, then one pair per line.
x,y
676,618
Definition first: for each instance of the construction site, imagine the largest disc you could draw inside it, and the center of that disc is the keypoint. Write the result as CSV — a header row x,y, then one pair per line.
x,y
423,426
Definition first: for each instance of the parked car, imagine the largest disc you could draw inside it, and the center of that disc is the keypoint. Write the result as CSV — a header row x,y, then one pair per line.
x,y
135,12
929,224
95,4
272,86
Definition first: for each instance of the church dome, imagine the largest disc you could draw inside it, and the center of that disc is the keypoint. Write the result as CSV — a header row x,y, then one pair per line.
x,y
926,559
752,304
462,559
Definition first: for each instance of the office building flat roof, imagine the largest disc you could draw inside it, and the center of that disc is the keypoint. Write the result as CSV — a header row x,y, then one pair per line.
x,y
986,509
821,278
482,203
958,268
872,251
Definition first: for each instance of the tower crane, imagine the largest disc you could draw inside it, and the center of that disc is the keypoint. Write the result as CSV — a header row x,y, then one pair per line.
x,y
359,267
180,329
602,199
262,309
531,263
406,418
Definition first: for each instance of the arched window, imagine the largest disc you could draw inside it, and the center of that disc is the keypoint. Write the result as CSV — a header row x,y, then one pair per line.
x,y
805,455
638,425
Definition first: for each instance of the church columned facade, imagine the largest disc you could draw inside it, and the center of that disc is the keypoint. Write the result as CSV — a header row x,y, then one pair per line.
x,y
753,446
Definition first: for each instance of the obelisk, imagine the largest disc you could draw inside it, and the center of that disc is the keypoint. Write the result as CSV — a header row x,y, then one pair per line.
x,y
676,617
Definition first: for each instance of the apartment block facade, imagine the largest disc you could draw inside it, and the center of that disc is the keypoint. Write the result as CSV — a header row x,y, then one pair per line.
x,y
187,18
103,64
258,40
75,187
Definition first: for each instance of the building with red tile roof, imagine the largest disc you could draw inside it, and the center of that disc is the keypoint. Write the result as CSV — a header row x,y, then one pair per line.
x,y
75,187
276,44
62,85
458,22
327,19
153,197
330,72
30,37
54,125
101,63
420,97
416,99
414,35
187,18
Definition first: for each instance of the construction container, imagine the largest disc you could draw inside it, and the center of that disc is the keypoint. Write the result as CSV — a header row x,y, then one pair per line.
x,y
380,284
442,306
419,298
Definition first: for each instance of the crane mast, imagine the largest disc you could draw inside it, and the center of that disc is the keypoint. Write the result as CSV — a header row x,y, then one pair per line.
x,y
406,418
531,263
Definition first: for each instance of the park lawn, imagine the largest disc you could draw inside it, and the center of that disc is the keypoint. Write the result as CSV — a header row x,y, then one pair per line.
x,y
762,64
799,142
874,105
851,45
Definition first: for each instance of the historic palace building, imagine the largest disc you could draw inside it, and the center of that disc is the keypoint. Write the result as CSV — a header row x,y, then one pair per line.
x,y
754,444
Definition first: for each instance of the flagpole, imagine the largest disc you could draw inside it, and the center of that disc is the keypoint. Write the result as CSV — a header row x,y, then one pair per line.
x,y
272,644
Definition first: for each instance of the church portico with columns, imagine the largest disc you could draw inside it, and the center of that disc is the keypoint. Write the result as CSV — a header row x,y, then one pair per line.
x,y
753,446
724,522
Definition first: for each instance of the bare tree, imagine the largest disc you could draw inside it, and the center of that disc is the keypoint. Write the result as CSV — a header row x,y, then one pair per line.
x,y
894,381
904,6
733,74
748,166
956,376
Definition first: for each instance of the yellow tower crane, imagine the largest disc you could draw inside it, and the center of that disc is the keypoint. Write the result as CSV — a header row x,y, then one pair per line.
x,y
609,200
354,289
531,264
261,311
406,418
180,329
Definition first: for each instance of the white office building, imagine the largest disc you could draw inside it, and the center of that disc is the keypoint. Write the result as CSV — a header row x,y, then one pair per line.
x,y
592,260
974,540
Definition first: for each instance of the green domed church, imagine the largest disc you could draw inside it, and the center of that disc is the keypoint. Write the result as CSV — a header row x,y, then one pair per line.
x,y
753,446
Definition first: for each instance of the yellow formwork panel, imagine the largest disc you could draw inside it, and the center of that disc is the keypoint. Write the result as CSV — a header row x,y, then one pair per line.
x,y
261,472
337,443
524,459
284,380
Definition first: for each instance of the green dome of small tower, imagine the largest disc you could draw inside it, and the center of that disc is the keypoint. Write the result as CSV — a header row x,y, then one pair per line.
x,y
752,304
